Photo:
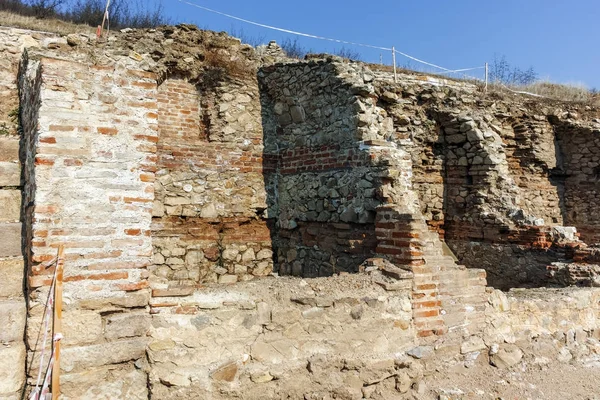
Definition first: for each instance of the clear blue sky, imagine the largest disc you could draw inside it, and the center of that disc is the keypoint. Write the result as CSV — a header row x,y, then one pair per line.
x,y
560,39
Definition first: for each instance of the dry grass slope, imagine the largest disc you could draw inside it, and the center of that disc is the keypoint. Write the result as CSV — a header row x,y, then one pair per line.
x,y
45,25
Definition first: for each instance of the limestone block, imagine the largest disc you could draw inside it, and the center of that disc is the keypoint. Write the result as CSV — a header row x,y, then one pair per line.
x,y
10,205
84,357
10,239
81,327
126,325
506,357
11,276
107,383
10,174
13,314
9,149
12,369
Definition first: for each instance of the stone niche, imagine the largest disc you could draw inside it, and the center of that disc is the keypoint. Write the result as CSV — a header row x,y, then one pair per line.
x,y
323,189
208,223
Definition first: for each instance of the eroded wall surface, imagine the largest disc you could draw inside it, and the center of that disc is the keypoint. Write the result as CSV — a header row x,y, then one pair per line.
x,y
13,309
209,223
90,170
178,194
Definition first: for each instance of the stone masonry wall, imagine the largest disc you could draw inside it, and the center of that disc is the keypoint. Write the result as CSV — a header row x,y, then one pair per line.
x,y
91,156
321,181
489,179
276,337
578,146
13,310
210,194
177,196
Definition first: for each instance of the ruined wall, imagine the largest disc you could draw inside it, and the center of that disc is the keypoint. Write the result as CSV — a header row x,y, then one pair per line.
x,y
578,147
210,193
171,195
322,184
13,309
276,336
537,327
91,153
489,178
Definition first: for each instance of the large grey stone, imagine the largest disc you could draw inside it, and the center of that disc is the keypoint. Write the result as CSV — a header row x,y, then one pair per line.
x,y
10,239
12,271
9,149
83,357
507,356
12,369
10,205
126,325
13,314
10,174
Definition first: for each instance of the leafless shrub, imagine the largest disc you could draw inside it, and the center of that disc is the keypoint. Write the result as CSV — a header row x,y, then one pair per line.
x,y
293,49
348,53
502,72
123,14
246,38
45,8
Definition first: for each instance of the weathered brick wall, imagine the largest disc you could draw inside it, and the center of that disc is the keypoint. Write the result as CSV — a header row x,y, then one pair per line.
x,y
532,157
178,186
210,193
579,147
90,168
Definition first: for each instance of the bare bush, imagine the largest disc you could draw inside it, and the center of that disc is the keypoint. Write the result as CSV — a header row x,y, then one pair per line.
x,y
293,49
45,8
348,53
502,72
246,38
122,13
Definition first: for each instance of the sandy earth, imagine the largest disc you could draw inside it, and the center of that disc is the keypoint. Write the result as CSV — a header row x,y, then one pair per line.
x,y
483,381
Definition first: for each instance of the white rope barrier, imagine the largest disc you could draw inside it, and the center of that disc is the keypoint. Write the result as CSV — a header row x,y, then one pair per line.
x,y
282,29
392,49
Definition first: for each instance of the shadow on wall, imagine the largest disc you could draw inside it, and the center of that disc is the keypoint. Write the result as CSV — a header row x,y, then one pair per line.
x,y
322,190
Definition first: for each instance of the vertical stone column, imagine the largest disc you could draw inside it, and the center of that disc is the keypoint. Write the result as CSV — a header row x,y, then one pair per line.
x,y
12,300
91,134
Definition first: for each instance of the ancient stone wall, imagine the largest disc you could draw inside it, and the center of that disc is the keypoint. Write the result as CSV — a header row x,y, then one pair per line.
x,y
90,162
13,310
579,168
255,339
323,185
489,178
177,195
210,194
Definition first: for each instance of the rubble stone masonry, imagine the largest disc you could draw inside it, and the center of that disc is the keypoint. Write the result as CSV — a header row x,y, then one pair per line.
x,y
241,225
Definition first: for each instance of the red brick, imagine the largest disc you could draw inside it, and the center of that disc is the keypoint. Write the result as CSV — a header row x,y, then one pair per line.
x,y
107,131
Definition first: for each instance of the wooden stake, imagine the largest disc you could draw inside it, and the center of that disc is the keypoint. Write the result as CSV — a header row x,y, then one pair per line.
x,y
104,18
57,322
394,60
486,76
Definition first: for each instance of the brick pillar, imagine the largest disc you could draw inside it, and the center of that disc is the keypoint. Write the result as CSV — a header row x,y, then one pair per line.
x,y
402,239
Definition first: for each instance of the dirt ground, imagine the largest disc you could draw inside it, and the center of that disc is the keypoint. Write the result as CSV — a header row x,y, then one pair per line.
x,y
483,381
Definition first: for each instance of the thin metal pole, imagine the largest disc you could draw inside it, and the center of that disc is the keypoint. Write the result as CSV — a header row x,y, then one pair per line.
x,y
380,58
486,76
57,322
394,60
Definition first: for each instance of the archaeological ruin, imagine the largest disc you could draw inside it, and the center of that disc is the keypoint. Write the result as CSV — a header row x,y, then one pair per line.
x,y
238,224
